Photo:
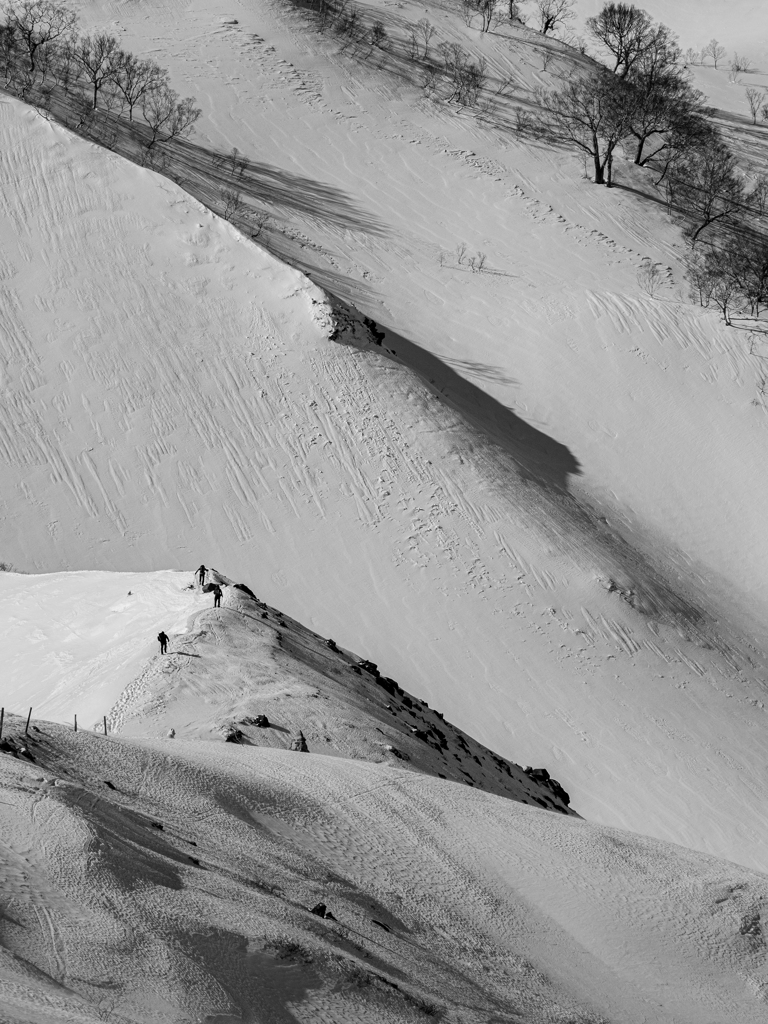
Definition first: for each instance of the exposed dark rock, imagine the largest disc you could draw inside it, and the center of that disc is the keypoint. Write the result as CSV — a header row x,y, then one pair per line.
x,y
380,925
300,744
396,752
331,644
377,335
389,685
233,735
370,666
245,590
319,909
542,776
260,720
109,784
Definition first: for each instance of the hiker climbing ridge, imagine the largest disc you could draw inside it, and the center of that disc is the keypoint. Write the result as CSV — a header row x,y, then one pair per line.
x,y
162,637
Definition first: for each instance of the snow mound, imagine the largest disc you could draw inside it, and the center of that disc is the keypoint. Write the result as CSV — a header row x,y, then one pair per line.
x,y
178,879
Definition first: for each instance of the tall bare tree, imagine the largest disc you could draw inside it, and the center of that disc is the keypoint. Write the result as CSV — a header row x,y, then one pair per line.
x,y
624,30
39,24
99,57
714,50
137,77
167,116
705,184
552,14
755,100
593,114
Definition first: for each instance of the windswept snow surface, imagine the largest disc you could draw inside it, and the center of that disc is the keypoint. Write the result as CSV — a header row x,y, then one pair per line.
x,y
172,395
180,891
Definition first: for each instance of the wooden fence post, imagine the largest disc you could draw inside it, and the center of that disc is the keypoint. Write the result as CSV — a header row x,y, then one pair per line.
x,y
26,727
75,723
105,725
2,716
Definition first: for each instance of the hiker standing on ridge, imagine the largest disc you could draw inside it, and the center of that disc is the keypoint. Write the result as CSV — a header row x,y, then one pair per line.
x,y
201,575
217,596
163,641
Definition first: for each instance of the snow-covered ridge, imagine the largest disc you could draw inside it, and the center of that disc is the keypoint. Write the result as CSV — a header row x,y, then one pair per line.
x,y
157,876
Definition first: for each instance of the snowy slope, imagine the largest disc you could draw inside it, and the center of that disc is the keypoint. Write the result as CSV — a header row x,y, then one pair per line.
x,y
172,395
558,322
172,881
73,643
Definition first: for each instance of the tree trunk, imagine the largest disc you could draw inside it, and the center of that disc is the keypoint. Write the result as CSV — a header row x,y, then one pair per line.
x,y
609,161
599,167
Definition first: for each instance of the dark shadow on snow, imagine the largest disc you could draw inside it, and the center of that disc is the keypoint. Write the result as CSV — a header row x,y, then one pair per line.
x,y
537,456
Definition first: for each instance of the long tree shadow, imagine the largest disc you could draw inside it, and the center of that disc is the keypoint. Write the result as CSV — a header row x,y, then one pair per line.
x,y
277,187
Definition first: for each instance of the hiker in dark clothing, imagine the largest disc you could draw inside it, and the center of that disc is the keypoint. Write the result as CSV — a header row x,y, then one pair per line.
x,y
163,641
201,574
217,596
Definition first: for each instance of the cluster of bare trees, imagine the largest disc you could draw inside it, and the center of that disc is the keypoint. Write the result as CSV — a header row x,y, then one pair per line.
x,y
41,52
644,99
732,276
546,15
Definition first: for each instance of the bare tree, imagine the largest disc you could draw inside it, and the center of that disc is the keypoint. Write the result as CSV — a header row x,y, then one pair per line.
x,y
487,11
593,114
424,30
624,30
741,64
377,37
167,116
9,49
665,112
552,14
98,56
233,204
465,76
755,100
706,186
515,9
758,197
649,276
38,25
485,8
714,50
136,77
692,56
732,275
